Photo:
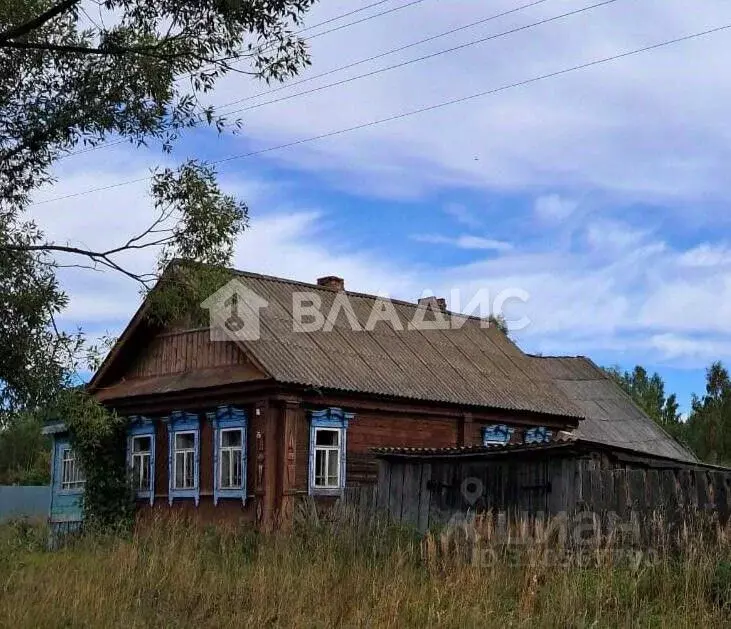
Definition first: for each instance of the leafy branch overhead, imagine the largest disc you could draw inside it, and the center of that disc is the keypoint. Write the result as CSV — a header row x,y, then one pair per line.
x,y
79,74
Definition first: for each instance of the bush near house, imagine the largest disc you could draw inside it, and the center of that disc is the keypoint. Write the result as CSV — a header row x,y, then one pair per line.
x,y
319,576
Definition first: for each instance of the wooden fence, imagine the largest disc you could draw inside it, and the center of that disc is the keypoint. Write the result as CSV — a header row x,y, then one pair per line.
x,y
424,494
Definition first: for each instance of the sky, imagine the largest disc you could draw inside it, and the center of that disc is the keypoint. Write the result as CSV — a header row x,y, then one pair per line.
x,y
598,194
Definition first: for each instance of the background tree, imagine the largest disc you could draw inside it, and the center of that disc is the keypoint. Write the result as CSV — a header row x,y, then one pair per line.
x,y
648,392
709,422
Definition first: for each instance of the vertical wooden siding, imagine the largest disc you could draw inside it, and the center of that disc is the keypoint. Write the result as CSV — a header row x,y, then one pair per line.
x,y
176,352
424,494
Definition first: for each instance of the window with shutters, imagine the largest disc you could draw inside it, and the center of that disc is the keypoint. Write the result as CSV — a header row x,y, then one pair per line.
x,y
141,456
183,457
328,451
229,453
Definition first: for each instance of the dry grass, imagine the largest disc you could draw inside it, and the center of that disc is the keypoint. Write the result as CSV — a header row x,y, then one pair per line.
x,y
175,575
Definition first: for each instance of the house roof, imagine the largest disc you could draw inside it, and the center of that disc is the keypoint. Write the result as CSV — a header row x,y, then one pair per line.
x,y
611,416
474,365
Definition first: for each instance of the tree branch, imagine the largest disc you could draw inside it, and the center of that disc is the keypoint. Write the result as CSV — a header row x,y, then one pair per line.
x,y
146,51
39,21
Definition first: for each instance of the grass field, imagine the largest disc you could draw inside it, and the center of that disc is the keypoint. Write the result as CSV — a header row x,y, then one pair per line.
x,y
175,575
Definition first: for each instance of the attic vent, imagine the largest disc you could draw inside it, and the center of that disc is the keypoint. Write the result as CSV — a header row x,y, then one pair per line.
x,y
439,303
331,281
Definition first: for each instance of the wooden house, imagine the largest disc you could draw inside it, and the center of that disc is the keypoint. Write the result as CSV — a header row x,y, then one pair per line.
x,y
225,427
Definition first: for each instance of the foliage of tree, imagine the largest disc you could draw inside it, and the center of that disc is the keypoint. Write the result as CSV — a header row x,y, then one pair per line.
x,y
79,74
648,393
709,423
25,455
76,75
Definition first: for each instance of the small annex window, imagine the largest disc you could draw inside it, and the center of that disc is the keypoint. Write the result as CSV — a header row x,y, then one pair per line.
x,y
72,475
328,449
183,456
497,434
141,457
229,453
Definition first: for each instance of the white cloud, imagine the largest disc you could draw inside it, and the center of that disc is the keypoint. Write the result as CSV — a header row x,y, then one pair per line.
x,y
588,130
706,256
553,207
463,215
465,241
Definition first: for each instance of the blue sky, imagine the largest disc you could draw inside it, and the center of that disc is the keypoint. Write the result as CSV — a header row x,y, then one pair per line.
x,y
601,194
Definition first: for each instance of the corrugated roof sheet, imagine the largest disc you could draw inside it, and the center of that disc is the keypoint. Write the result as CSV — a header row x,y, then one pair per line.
x,y
470,366
612,417
560,439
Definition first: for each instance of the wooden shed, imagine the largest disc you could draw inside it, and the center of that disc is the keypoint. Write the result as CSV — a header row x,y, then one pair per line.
x,y
426,487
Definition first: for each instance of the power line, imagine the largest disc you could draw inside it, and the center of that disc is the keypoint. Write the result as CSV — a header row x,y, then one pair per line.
x,y
432,55
263,46
421,110
384,54
330,30
387,68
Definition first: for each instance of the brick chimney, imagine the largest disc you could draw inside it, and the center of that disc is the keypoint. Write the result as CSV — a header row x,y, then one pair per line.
x,y
331,281
436,303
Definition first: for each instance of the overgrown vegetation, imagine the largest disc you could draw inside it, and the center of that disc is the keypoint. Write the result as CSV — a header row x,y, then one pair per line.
x,y
174,574
98,436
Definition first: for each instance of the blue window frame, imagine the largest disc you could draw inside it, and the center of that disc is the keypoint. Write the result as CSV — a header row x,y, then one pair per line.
x,y
328,448
537,435
229,453
183,456
498,434
70,474
141,456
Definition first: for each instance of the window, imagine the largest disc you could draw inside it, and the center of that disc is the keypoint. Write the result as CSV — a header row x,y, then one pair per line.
x,y
141,456
499,434
229,453
538,435
141,459
184,476
72,476
327,458
183,456
231,475
328,448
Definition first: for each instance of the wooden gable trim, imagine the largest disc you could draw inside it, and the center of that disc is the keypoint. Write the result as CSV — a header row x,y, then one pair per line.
x,y
133,326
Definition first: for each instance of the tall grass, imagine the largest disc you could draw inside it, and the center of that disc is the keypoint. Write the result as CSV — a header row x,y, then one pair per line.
x,y
174,574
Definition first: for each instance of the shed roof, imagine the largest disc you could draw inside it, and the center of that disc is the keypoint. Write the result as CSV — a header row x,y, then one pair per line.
x,y
611,416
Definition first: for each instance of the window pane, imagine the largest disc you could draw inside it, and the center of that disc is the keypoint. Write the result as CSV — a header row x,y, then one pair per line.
x,y
141,471
236,476
179,470
189,470
185,441
226,469
320,459
231,438
327,437
141,444
332,468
